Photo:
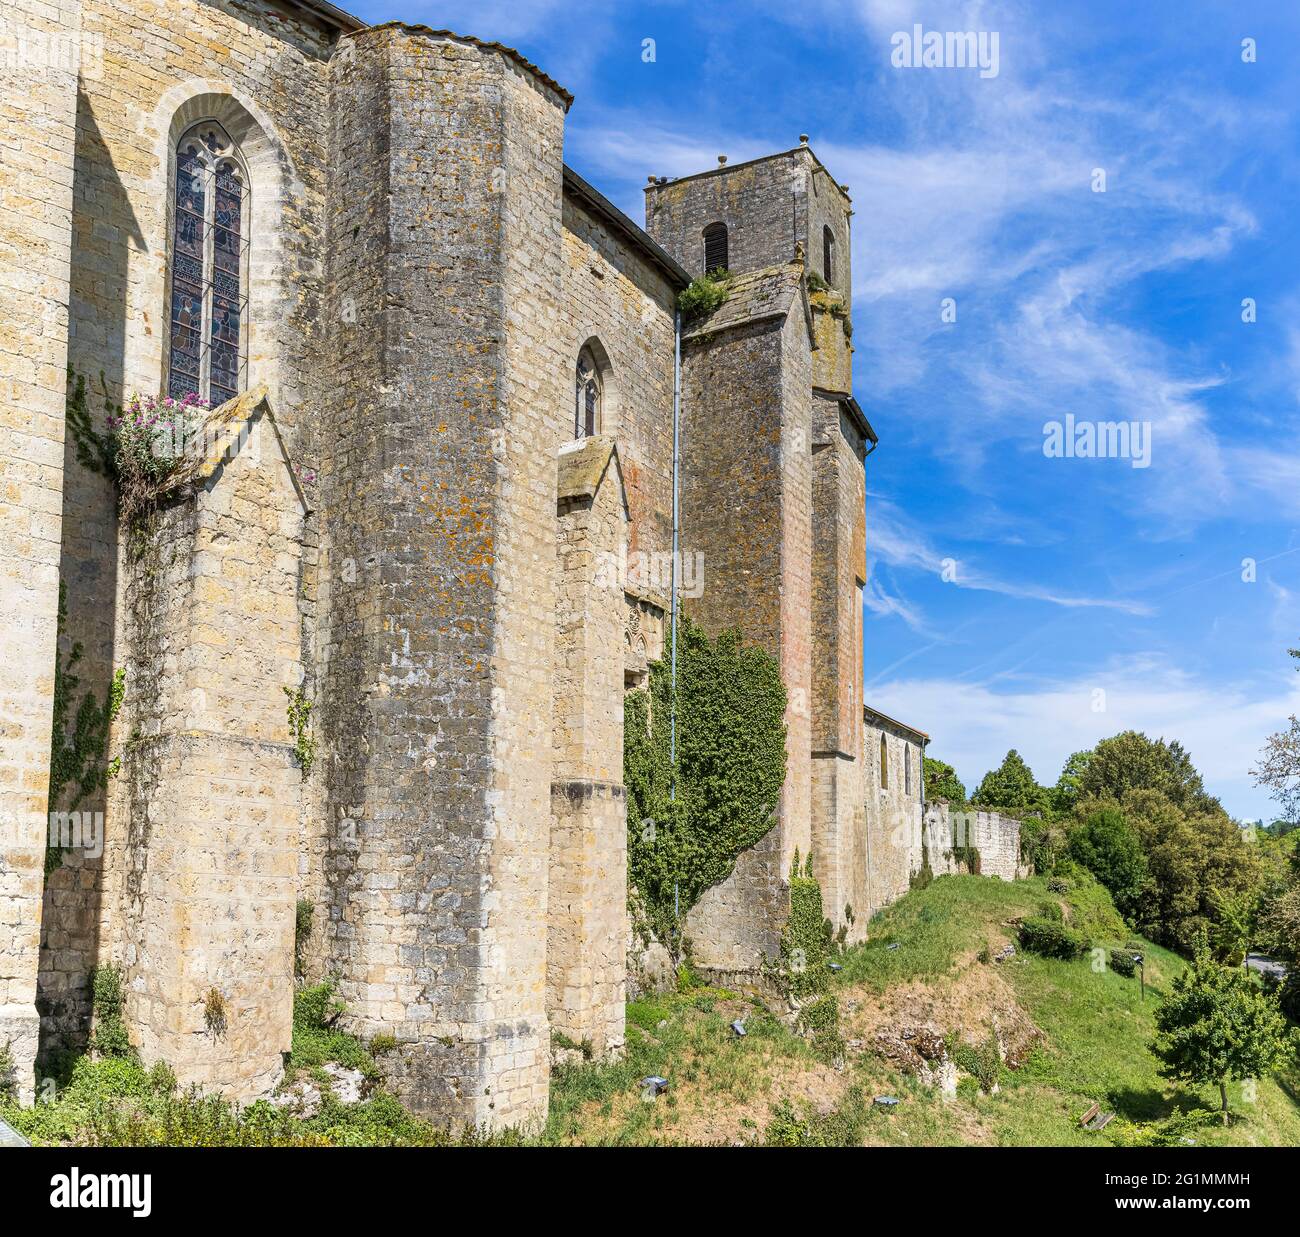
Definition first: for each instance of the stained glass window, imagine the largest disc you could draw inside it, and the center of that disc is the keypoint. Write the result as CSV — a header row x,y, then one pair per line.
x,y
209,267
586,398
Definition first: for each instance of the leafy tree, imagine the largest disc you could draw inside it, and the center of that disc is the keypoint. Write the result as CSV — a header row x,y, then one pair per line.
x,y
1234,929
1109,847
1191,859
1279,769
1130,761
1279,934
942,782
1042,843
1066,792
1217,1025
1011,788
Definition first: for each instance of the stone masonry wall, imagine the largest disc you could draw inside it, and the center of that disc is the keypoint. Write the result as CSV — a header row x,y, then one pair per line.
x,y
614,297
838,821
257,67
38,91
453,390
587,927
209,781
995,837
769,205
747,499
893,811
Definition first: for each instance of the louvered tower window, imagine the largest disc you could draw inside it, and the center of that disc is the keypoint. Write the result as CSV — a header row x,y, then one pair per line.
x,y
715,247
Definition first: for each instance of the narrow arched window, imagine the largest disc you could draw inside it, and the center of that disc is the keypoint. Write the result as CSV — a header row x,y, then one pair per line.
x,y
907,768
208,268
586,397
715,247
884,763
828,255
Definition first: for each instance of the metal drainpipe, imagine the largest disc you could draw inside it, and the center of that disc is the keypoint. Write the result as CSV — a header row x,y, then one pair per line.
x,y
677,458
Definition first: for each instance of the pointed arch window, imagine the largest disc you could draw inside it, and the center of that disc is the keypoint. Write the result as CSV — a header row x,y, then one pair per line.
x,y
884,763
208,269
715,247
907,768
587,397
828,255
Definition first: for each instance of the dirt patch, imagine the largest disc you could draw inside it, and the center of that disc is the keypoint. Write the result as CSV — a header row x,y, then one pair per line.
x,y
902,1023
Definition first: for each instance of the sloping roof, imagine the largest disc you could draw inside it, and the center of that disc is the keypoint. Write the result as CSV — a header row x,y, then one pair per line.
x,y
868,713
604,209
581,466
755,296
225,431
330,14
509,52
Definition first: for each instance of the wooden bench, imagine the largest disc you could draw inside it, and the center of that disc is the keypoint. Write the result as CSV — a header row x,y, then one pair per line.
x,y
1094,1119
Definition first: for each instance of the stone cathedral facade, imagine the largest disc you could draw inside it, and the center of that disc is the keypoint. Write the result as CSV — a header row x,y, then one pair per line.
x,y
436,506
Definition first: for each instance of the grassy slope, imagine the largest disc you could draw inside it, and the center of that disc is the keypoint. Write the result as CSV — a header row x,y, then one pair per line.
x,y
1097,1027
770,1085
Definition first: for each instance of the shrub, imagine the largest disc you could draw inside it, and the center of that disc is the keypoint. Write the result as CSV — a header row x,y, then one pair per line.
x,y
108,998
705,294
821,1021
982,1062
315,1038
1051,939
1121,962
304,913
1058,885
1109,847
148,440
1052,911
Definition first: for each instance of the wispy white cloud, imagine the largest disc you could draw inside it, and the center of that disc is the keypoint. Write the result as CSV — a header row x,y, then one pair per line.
x,y
973,725
894,540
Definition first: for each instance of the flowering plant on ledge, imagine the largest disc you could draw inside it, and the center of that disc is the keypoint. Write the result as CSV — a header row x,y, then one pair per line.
x,y
148,441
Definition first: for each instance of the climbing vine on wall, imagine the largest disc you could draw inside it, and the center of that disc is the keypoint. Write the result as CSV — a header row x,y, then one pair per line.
x,y
299,714
807,944
729,771
79,736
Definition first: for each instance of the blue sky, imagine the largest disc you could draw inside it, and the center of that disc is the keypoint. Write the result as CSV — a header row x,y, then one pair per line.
x,y
1072,576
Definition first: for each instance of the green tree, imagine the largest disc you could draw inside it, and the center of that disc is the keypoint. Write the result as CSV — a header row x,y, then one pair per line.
x,y
1279,934
1011,788
1109,847
942,782
1130,761
1216,1026
1234,927
1066,792
1191,858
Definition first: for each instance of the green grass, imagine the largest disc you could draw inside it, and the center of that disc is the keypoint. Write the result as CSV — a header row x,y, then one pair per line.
x,y
1097,1028
771,1086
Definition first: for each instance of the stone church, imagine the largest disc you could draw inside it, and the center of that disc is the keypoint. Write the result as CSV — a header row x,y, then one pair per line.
x,y
373,654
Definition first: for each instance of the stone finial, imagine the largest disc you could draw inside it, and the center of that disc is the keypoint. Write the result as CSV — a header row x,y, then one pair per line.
x,y
721,160
650,180
798,251
803,139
